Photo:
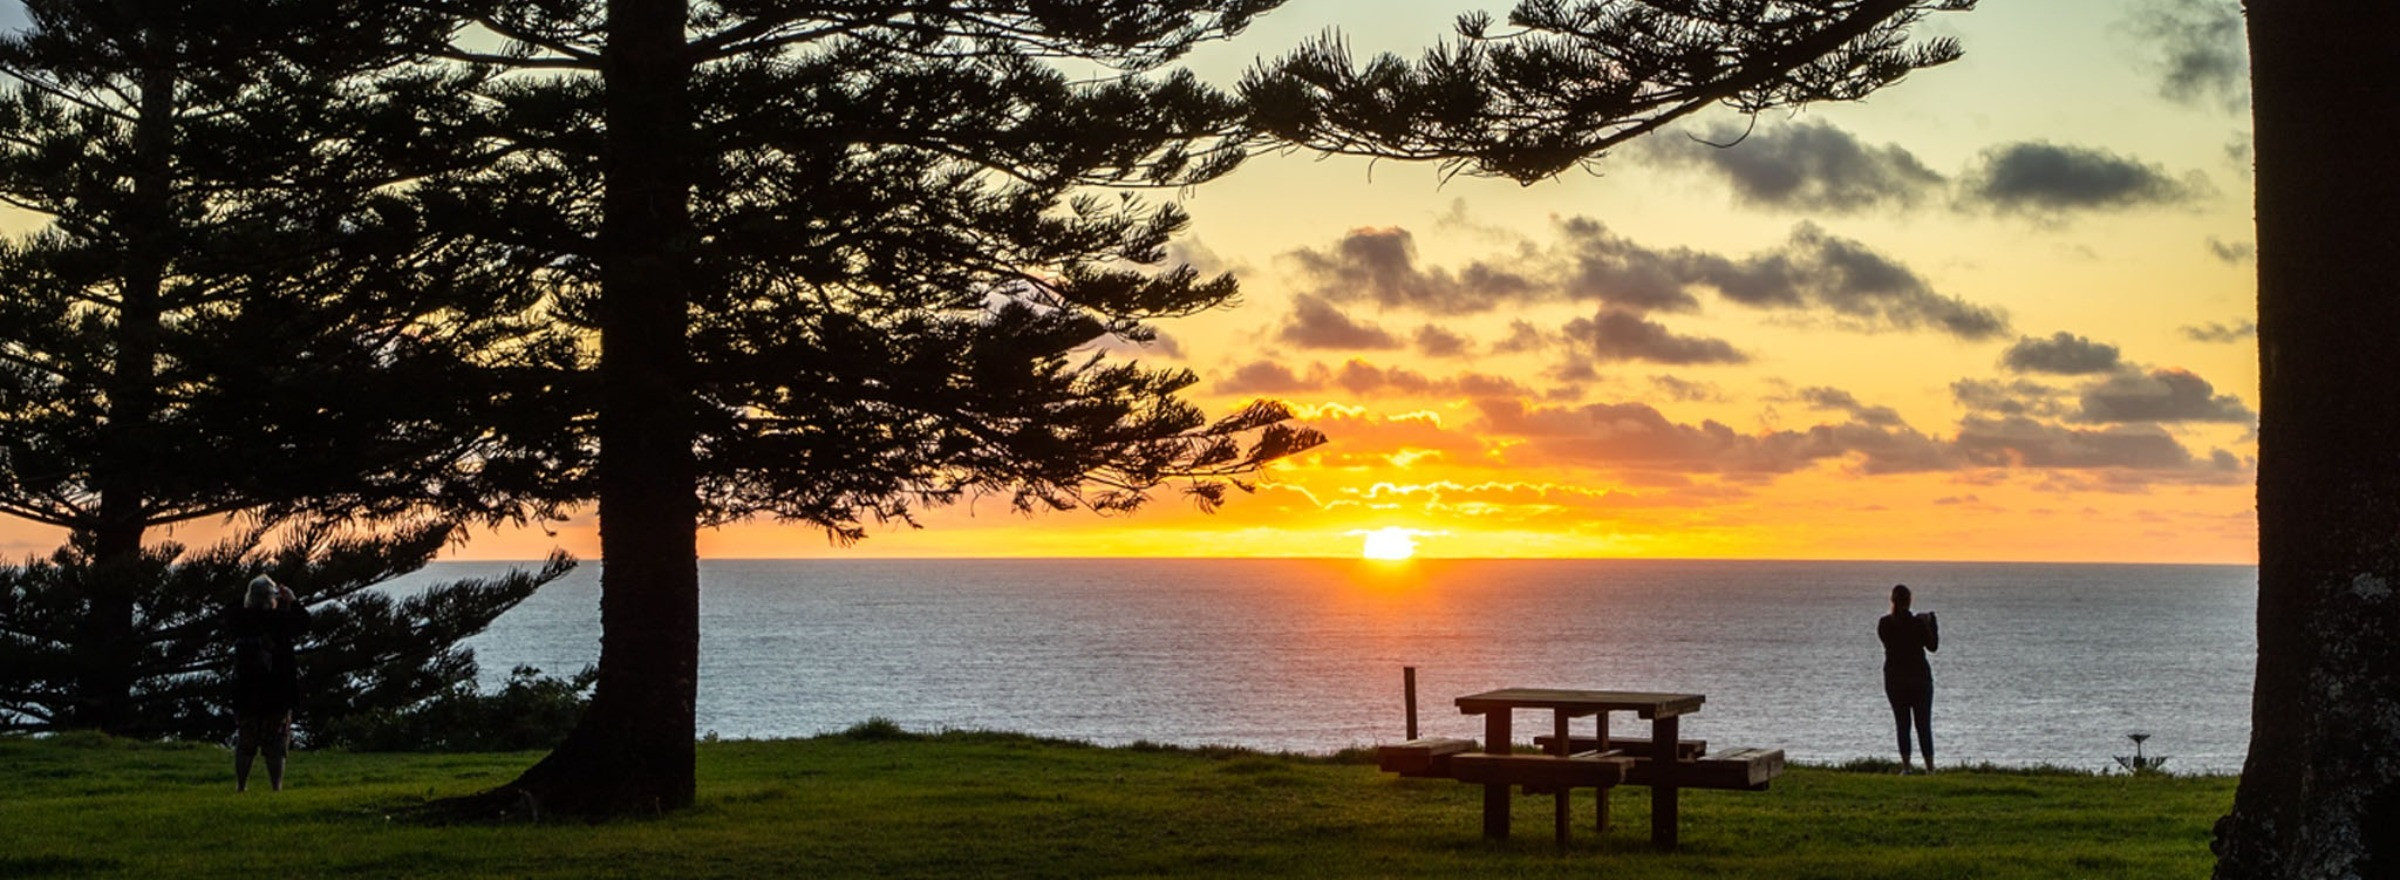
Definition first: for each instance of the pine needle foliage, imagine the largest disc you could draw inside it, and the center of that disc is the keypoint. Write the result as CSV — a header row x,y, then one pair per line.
x,y
1565,81
233,310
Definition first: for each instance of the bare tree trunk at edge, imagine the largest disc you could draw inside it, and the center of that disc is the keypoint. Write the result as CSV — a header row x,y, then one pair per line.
x,y
2320,793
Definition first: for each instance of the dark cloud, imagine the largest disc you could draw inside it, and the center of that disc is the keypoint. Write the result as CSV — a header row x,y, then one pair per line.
x,y
1632,435
1522,337
1804,166
1641,443
1263,377
2126,395
1433,341
1605,266
2202,54
1637,436
1619,336
1685,390
2017,398
1486,385
1855,283
2016,441
2232,252
1842,401
1575,369
1315,323
1166,345
1861,289
2063,354
2168,395
2044,178
1359,377
1381,265
2215,332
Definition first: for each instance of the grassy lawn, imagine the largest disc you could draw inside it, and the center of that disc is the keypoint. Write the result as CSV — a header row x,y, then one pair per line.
x,y
1000,805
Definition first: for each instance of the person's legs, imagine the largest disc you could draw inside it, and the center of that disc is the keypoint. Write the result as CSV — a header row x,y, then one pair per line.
x,y
1924,713
1897,694
245,748
278,736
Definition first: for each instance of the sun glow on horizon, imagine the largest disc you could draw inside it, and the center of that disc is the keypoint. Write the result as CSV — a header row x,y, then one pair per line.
x,y
1389,543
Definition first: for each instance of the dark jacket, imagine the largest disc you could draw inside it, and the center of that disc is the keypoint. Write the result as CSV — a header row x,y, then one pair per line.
x,y
266,676
1906,638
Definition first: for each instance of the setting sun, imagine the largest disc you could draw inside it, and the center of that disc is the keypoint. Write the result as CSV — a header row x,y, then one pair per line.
x,y
1390,543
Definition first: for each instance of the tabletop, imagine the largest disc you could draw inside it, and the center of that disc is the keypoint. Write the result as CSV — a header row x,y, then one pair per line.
x,y
1648,705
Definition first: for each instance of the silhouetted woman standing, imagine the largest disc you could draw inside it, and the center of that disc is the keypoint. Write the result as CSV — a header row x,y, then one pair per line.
x,y
1907,677
266,678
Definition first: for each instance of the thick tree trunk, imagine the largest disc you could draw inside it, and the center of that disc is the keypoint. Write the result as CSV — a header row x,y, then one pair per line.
x,y
110,643
632,752
2320,794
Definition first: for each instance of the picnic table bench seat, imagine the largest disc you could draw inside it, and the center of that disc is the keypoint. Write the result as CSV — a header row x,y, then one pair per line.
x,y
1696,767
1541,773
1423,757
1727,769
1640,747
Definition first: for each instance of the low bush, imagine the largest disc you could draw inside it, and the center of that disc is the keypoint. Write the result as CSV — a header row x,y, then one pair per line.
x,y
532,711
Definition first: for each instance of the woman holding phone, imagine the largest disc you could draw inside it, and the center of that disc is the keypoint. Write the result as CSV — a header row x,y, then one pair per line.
x,y
1907,675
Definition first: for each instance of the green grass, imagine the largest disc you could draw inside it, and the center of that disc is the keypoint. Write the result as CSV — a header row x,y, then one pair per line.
x,y
970,804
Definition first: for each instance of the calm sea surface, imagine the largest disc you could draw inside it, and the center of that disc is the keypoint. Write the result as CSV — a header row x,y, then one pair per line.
x,y
2039,663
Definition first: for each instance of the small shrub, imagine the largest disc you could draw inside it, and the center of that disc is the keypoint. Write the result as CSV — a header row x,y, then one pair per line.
x,y
1354,755
878,729
532,711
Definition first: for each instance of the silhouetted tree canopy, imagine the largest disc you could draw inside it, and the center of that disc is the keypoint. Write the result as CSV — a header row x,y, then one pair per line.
x,y
1565,82
233,309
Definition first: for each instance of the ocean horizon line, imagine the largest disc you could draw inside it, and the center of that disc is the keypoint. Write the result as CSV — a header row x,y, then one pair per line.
x,y
1763,560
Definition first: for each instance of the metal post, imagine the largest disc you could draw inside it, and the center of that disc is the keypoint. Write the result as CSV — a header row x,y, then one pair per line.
x,y
1408,680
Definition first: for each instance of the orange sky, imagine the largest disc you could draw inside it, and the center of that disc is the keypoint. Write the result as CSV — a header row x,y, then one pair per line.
x,y
1998,312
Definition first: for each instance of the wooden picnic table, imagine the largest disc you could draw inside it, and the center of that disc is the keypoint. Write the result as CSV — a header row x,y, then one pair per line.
x,y
1498,709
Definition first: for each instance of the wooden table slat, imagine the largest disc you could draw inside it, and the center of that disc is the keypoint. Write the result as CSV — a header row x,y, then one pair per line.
x,y
1581,702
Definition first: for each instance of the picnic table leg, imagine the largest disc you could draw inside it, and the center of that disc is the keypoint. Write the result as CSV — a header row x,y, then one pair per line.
x,y
1602,826
1495,794
1663,734
1561,800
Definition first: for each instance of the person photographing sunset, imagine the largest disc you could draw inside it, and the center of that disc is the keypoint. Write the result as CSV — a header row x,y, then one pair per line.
x,y
1907,675
266,678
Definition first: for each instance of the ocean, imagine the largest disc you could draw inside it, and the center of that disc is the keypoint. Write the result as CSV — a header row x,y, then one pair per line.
x,y
2039,663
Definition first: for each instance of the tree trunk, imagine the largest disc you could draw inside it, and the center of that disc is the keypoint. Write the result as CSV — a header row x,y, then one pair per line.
x,y
2320,793
110,641
632,752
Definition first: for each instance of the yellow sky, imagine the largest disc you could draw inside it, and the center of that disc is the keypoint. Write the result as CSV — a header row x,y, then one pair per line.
x,y
1838,339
